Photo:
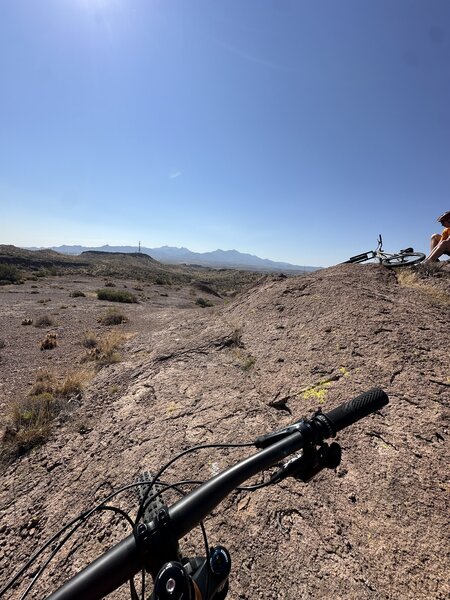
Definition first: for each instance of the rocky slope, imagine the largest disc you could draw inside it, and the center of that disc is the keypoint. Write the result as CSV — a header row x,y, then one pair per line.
x,y
376,529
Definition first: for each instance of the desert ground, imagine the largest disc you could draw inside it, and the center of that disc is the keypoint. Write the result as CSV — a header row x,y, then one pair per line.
x,y
247,359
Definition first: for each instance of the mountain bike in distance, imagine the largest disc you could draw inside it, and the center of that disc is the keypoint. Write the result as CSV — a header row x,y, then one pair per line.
x,y
404,258
298,450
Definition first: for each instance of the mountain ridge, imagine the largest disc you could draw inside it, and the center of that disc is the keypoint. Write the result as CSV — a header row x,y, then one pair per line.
x,y
173,255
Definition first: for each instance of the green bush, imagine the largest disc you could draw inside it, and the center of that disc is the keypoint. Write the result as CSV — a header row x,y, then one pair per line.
x,y
9,274
203,302
116,296
77,294
163,280
113,317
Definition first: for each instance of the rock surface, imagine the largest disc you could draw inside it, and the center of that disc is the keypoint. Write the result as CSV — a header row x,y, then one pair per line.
x,y
375,529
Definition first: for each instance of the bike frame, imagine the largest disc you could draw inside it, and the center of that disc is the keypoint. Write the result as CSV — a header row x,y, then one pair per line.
x,y
402,258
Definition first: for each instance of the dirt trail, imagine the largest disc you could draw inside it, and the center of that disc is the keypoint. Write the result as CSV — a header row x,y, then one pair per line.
x,y
376,530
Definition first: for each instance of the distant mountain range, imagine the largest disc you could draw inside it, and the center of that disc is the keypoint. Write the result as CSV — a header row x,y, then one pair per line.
x,y
231,259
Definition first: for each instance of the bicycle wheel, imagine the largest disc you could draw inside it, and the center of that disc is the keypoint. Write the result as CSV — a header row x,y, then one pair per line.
x,y
357,258
406,259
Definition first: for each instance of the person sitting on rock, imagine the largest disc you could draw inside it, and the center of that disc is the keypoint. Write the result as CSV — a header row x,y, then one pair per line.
x,y
440,242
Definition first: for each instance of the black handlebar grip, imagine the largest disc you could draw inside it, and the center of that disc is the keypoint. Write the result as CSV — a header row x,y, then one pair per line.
x,y
363,405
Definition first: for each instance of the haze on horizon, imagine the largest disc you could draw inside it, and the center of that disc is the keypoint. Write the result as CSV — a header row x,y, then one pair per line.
x,y
294,131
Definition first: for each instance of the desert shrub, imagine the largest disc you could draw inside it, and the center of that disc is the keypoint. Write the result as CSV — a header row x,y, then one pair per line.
x,y
45,383
49,342
244,361
2,343
27,321
163,280
30,422
236,337
248,363
73,384
116,296
110,284
31,417
106,351
44,321
70,385
9,274
89,340
77,294
203,302
113,317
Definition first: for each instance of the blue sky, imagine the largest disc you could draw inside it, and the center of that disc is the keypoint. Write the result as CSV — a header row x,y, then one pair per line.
x,y
294,130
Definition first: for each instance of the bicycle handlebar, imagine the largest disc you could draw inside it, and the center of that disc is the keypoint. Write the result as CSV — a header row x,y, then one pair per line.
x,y
124,560
352,411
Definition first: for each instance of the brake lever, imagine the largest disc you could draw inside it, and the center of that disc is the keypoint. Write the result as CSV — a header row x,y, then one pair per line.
x,y
309,463
268,439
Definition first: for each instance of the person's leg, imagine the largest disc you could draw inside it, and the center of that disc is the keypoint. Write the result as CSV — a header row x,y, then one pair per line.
x,y
435,239
440,249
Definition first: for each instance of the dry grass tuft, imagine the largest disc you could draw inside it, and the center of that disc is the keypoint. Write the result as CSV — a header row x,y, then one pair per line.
x,y
30,423
31,418
410,279
106,350
45,383
113,317
44,321
74,383
89,339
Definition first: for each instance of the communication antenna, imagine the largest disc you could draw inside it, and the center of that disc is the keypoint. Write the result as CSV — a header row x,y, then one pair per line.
x,y
139,247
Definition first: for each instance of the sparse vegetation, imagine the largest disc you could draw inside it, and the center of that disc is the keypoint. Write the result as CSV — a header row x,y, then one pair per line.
x,y
106,350
116,296
45,382
113,317
89,340
31,417
2,343
9,274
73,384
110,284
163,280
30,423
27,321
43,321
244,360
77,294
70,385
423,279
236,337
203,302
430,269
248,362
50,341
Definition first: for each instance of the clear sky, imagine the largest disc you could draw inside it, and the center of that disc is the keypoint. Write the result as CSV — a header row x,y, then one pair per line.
x,y
293,130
